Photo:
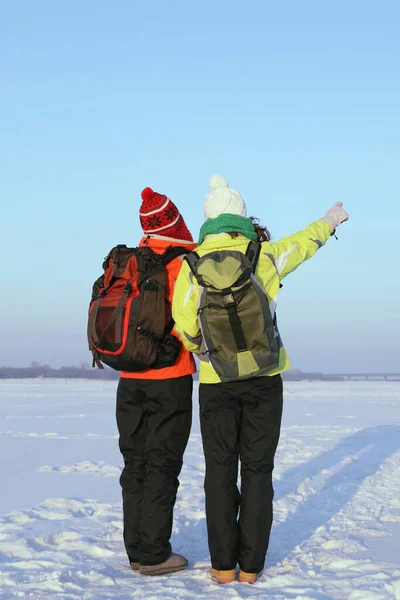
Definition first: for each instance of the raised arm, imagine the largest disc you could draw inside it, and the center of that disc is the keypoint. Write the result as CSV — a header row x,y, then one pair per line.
x,y
290,252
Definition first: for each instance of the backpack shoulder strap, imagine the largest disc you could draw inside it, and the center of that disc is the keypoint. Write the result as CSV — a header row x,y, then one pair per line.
x,y
253,253
192,259
171,253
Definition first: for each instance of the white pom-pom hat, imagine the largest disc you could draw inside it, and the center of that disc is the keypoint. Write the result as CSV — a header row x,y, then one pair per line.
x,y
222,199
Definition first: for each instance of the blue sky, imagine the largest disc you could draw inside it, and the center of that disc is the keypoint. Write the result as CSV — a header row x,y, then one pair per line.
x,y
297,104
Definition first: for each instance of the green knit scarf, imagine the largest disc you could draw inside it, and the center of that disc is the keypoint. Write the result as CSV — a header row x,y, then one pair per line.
x,y
228,223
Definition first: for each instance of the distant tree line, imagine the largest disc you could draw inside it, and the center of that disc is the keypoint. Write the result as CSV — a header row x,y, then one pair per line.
x,y
84,371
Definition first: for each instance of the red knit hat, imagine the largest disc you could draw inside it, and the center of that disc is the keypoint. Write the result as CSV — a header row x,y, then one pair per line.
x,y
159,215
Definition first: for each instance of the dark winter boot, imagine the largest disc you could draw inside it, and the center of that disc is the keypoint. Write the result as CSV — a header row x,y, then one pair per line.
x,y
174,563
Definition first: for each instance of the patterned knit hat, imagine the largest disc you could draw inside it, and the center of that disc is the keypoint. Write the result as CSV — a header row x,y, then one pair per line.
x,y
159,215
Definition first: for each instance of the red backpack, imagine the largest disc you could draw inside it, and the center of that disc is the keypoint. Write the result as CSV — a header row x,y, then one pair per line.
x,y
130,322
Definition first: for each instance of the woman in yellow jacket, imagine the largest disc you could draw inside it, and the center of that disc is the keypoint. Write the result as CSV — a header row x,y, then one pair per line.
x,y
241,418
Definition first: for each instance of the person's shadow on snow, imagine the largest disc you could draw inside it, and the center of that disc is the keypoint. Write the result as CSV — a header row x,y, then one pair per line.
x,y
355,458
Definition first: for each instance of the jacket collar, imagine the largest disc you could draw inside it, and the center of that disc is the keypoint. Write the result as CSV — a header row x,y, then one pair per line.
x,y
223,241
160,242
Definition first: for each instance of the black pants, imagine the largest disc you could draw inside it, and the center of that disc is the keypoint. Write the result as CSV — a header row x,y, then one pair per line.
x,y
154,420
242,420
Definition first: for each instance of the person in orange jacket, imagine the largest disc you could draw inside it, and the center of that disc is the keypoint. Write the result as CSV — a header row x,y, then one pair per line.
x,y
154,415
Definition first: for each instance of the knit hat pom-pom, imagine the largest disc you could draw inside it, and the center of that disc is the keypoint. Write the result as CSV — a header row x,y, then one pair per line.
x,y
147,194
216,182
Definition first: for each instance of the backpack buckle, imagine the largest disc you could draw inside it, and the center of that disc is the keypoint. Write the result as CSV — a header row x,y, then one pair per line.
x,y
228,299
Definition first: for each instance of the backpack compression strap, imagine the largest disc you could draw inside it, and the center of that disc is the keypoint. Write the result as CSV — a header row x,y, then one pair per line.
x,y
253,254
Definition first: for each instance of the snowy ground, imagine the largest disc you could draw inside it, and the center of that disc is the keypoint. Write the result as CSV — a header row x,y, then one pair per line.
x,y
337,509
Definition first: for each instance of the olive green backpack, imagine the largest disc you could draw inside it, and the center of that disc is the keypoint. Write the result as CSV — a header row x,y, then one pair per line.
x,y
238,330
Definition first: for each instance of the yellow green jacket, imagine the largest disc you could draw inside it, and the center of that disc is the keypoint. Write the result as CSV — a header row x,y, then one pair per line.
x,y
277,259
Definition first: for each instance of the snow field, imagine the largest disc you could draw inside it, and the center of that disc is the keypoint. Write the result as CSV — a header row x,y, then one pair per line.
x,y
336,533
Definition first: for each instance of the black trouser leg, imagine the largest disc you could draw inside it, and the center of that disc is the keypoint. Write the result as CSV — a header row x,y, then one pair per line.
x,y
160,414
220,430
259,436
132,427
240,418
169,420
